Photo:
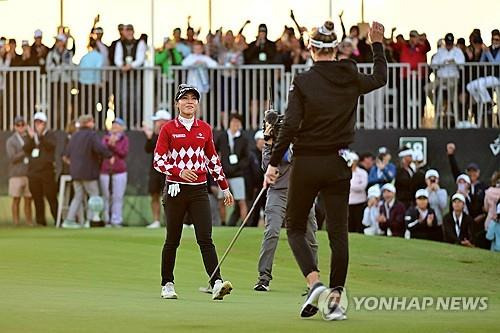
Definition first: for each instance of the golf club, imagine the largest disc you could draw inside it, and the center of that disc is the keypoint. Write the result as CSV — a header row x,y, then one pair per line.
x,y
231,244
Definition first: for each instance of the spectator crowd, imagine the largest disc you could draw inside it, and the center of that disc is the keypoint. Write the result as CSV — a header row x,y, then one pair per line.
x,y
228,49
399,197
390,195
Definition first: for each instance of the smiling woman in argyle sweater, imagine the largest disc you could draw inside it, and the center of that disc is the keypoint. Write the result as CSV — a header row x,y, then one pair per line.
x,y
184,151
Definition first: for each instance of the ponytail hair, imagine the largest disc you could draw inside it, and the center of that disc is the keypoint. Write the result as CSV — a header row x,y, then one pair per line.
x,y
323,40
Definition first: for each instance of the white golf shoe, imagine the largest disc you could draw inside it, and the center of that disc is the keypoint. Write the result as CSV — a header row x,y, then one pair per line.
x,y
68,224
154,225
168,291
221,289
330,305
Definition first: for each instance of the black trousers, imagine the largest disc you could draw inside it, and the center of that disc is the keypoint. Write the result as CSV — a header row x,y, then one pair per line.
x,y
356,217
40,187
192,199
310,175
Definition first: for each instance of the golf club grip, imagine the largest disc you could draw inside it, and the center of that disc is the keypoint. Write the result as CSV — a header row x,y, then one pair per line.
x,y
240,229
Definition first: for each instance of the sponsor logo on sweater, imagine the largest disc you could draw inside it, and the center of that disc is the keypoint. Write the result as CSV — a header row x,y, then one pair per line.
x,y
177,136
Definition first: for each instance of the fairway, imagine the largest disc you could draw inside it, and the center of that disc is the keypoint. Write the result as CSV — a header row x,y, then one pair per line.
x,y
107,280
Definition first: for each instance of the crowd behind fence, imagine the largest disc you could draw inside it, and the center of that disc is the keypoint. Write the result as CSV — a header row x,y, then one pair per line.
x,y
435,96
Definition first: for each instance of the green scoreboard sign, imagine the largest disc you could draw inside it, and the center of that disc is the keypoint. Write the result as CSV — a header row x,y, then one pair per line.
x,y
417,144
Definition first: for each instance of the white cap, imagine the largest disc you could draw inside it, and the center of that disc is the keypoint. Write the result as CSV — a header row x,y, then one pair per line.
x,y
389,187
406,152
421,193
61,37
40,116
25,43
161,115
259,135
464,177
383,150
374,191
353,156
38,33
431,173
458,196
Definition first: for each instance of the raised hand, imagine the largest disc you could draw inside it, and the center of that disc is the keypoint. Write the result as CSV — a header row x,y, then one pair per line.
x,y
377,32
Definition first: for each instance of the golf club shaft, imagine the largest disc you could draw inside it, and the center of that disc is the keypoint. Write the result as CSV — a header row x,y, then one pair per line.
x,y
240,229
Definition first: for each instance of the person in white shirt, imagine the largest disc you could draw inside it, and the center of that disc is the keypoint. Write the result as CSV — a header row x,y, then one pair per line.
x,y
446,60
372,211
130,53
438,197
357,195
199,62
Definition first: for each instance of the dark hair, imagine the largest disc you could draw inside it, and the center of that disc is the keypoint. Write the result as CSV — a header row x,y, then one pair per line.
x,y
354,27
495,32
235,116
197,42
319,35
364,156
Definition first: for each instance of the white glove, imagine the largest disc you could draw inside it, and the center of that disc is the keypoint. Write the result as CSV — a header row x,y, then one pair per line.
x,y
173,190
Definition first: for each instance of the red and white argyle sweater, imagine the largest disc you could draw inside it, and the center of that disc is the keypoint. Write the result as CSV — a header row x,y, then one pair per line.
x,y
178,149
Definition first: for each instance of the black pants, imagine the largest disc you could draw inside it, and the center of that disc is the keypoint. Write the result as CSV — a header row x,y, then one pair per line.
x,y
192,199
40,187
356,217
330,176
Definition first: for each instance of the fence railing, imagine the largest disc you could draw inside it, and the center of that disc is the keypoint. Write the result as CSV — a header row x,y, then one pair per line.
x,y
20,89
464,95
429,97
245,90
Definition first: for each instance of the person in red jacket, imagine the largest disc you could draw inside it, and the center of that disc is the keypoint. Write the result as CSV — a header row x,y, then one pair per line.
x,y
184,151
412,52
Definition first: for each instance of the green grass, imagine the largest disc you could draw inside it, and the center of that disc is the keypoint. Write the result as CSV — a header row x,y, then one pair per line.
x,y
107,280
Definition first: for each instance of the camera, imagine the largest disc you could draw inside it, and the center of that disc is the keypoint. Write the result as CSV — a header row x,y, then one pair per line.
x,y
272,124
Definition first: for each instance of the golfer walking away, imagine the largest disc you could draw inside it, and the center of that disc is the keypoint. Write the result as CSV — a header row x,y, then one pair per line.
x,y
320,120
184,151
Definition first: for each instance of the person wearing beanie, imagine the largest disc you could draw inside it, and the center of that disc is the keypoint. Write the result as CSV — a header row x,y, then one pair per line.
x,y
320,119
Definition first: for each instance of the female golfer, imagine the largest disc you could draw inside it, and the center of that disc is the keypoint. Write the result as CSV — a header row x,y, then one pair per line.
x,y
320,121
184,151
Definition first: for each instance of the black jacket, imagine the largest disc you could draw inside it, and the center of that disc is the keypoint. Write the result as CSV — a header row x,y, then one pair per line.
x,y
149,147
43,165
241,150
86,152
322,103
476,195
420,229
407,185
251,54
449,233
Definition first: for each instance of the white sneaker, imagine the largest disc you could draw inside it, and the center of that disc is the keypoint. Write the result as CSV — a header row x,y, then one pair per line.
x,y
154,225
168,291
221,289
330,307
70,224
86,225
310,306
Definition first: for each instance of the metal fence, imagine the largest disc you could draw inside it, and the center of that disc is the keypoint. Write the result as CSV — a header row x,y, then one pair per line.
x,y
429,97
245,90
19,93
463,95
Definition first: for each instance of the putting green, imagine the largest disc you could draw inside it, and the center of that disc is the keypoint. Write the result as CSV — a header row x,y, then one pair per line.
x,y
107,280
